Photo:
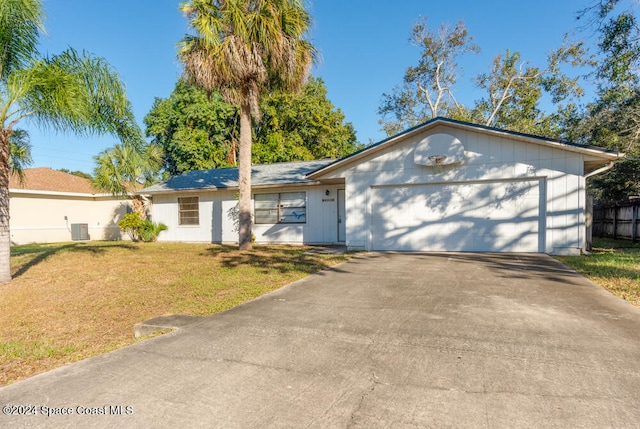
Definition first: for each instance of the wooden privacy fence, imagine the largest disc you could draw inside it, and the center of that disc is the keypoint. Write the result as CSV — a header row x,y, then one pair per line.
x,y
617,220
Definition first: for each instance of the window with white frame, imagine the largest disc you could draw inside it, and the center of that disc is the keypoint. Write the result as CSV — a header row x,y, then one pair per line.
x,y
188,211
284,207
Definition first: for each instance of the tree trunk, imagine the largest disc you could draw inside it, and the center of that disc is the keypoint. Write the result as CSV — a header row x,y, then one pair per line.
x,y
244,178
5,234
137,201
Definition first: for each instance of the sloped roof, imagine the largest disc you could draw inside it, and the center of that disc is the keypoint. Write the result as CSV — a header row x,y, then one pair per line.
x,y
301,172
598,154
46,179
284,173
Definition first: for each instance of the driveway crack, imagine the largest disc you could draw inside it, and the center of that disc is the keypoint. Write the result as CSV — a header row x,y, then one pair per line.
x,y
368,391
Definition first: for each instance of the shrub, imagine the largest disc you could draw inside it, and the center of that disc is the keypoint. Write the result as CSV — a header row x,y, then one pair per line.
x,y
149,231
139,229
131,223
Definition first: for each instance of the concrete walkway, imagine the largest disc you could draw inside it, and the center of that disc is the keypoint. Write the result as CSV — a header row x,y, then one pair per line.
x,y
384,340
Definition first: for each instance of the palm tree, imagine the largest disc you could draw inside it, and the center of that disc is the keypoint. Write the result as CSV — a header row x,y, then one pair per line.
x,y
71,91
243,49
126,168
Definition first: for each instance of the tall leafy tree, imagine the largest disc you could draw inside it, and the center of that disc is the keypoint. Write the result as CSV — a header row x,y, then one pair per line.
x,y
515,88
71,91
427,88
302,126
196,131
199,131
243,49
613,119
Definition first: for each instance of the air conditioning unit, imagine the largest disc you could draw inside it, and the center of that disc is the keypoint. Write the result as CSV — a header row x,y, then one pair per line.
x,y
79,231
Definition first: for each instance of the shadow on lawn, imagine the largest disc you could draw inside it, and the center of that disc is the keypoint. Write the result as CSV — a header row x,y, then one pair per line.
x,y
40,253
282,259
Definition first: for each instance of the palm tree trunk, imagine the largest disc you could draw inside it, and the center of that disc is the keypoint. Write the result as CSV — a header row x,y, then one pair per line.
x,y
244,177
5,234
137,201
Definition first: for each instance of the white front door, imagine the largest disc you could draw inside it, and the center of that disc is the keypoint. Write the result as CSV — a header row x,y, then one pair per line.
x,y
342,229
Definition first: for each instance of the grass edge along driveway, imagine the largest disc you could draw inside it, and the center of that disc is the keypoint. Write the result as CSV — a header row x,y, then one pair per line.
x,y
70,301
612,264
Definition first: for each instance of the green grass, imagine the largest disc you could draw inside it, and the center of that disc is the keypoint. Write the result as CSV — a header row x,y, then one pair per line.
x,y
33,349
613,264
70,301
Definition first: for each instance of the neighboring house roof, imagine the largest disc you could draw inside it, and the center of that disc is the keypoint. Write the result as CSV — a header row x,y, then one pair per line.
x,y
279,174
596,155
48,180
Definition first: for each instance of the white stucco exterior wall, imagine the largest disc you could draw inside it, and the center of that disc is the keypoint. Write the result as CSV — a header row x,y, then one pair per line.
x,y
39,217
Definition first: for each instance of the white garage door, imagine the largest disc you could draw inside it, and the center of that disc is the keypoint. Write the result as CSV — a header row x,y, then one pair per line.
x,y
473,217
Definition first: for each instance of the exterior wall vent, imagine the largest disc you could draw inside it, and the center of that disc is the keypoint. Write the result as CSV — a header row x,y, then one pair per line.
x,y
79,231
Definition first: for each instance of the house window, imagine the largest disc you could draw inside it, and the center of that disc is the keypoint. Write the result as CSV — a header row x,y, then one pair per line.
x,y
188,211
285,207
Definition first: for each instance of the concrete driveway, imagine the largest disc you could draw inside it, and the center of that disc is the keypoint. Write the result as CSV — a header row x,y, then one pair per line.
x,y
384,340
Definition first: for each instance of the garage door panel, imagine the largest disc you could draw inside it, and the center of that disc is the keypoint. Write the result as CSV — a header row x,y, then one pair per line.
x,y
487,216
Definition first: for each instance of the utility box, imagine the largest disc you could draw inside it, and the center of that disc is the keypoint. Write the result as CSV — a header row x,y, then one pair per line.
x,y
79,231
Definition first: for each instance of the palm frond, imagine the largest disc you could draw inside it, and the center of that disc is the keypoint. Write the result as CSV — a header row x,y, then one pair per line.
x,y
242,47
19,152
107,175
119,169
21,22
78,92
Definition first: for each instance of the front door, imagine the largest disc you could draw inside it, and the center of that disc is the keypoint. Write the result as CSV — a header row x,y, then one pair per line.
x,y
342,228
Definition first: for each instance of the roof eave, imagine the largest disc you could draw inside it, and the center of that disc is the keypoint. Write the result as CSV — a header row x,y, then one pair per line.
x,y
61,193
230,188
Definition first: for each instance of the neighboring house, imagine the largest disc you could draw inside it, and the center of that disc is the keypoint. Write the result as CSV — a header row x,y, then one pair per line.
x,y
442,186
49,205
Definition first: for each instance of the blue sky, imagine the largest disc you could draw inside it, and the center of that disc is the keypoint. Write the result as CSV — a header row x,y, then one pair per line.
x,y
363,45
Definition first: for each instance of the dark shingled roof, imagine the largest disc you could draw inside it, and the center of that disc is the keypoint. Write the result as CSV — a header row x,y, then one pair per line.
x,y
284,173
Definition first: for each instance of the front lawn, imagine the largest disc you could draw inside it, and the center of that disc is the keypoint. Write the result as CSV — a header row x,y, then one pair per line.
x,y
74,300
613,264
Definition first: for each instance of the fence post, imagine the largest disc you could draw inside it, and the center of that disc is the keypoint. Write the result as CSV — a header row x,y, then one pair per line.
x,y
602,223
615,221
589,224
634,220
